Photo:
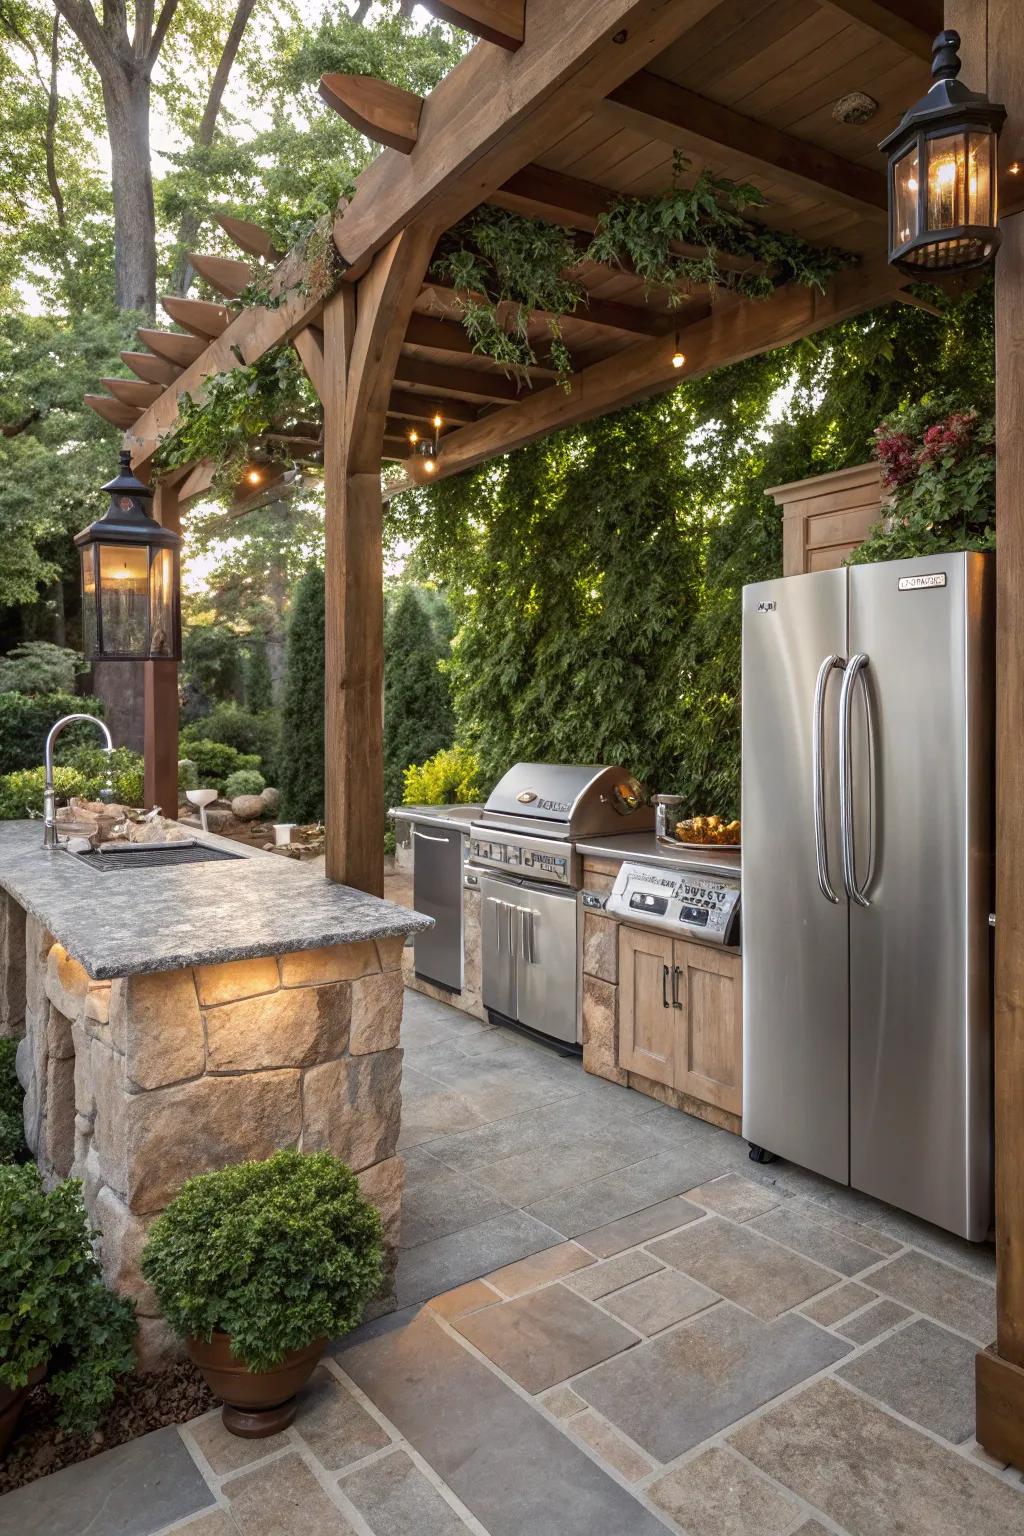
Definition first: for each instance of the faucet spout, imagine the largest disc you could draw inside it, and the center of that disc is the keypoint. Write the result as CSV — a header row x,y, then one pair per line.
x,y
50,839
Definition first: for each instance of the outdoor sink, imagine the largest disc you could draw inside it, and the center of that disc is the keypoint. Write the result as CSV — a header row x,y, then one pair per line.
x,y
150,856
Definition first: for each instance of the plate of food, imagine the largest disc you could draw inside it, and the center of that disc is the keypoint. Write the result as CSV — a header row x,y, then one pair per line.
x,y
707,832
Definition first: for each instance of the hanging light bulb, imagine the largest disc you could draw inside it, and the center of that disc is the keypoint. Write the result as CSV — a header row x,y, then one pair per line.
x,y
414,436
438,421
678,356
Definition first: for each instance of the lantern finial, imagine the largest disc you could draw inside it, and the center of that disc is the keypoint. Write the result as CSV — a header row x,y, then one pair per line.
x,y
946,64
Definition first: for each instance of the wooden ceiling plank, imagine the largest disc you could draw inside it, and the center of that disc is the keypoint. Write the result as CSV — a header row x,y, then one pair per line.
x,y
421,408
494,21
224,273
250,238
728,335
607,313
469,383
174,346
133,391
688,121
203,319
382,112
146,365
913,24
114,411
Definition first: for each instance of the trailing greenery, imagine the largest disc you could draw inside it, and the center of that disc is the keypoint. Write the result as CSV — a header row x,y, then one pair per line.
x,y
418,719
506,266
595,577
12,1129
302,730
25,721
244,781
54,1308
939,472
450,777
272,393
275,1254
36,667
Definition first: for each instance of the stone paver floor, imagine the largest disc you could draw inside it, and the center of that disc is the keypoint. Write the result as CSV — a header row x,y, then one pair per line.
x,y
611,1324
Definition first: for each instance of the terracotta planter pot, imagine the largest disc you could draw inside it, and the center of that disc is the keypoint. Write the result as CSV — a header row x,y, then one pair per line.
x,y
12,1401
256,1403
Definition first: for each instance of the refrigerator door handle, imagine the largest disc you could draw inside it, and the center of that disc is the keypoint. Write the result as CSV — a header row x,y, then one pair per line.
x,y
818,774
854,668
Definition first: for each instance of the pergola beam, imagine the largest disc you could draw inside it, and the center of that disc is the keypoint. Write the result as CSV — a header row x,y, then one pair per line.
x,y
912,24
383,112
693,123
174,346
495,21
727,335
198,316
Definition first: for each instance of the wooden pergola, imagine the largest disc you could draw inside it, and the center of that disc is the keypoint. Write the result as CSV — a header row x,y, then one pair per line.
x,y
561,107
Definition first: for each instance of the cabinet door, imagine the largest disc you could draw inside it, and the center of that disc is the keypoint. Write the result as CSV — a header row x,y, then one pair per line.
x,y
647,1020
708,993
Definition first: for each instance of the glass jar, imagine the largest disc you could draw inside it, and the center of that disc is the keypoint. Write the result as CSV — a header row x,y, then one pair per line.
x,y
667,810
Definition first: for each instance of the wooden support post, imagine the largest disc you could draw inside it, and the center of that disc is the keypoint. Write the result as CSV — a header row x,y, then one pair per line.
x,y
160,752
363,327
993,58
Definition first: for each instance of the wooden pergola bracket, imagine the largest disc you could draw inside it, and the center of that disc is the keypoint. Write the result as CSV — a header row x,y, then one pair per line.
x,y
201,318
114,411
495,21
228,275
250,238
383,112
133,391
175,346
155,370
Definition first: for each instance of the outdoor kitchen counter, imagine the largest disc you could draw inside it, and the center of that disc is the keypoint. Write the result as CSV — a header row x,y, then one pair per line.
x,y
644,848
125,923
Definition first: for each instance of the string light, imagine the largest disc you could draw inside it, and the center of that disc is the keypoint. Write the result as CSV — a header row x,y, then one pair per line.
x,y
678,356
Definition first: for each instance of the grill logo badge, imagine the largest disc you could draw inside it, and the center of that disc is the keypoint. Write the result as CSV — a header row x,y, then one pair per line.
x,y
526,796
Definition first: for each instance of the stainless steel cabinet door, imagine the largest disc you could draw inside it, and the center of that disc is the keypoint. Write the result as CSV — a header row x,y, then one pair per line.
x,y
795,940
499,934
920,1063
437,892
546,931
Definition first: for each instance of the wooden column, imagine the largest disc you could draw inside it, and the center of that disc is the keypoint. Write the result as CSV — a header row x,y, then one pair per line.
x,y
363,325
993,54
160,751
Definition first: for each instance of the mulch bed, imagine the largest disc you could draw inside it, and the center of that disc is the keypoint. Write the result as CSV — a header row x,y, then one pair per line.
x,y
142,1403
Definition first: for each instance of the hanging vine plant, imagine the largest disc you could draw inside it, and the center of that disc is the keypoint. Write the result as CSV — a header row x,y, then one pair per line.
x,y
506,266
271,395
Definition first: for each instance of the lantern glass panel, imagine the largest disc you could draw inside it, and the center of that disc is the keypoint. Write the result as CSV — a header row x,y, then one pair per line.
x,y
947,181
89,599
980,208
124,594
161,600
906,173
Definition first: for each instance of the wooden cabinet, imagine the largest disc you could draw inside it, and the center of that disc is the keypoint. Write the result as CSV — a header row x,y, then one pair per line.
x,y
681,1016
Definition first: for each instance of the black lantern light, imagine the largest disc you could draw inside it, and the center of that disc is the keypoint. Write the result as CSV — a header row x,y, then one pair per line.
x,y
943,210
131,607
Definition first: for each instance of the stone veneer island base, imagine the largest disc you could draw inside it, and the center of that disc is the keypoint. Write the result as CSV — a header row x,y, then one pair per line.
x,y
136,1082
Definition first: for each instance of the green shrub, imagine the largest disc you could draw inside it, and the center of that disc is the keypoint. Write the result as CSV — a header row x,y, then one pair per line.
x,y
25,723
259,685
188,775
252,734
215,762
244,781
21,793
125,767
418,718
275,1254
36,666
54,1307
12,1130
301,775
451,777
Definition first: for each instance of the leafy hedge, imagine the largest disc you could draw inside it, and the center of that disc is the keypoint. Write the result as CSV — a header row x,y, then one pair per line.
x,y
12,1130
84,774
450,777
215,762
25,721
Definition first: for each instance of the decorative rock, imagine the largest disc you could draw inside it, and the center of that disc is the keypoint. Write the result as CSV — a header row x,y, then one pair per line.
x,y
219,818
353,1108
163,1043
296,1028
210,1123
376,1013
336,962
236,978
271,799
247,807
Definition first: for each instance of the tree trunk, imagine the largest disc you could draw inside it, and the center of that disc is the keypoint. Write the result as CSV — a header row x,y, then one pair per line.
x,y
126,105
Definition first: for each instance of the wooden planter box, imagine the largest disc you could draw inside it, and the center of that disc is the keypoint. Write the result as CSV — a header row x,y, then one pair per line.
x,y
826,517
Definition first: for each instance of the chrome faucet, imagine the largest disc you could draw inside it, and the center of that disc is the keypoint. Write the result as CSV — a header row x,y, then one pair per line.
x,y
50,839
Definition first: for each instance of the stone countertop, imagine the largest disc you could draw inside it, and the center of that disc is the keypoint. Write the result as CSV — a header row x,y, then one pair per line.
x,y
454,818
125,922
644,848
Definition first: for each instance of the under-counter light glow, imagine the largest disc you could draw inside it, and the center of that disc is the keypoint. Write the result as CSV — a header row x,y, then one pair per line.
x,y
254,477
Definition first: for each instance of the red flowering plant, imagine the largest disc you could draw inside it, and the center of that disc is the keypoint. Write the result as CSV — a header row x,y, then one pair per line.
x,y
939,475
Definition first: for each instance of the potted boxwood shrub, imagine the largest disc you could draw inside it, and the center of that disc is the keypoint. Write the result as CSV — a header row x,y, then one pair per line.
x,y
56,1316
256,1266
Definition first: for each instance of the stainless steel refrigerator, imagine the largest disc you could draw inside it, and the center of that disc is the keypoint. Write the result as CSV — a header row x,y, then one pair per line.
x,y
867,879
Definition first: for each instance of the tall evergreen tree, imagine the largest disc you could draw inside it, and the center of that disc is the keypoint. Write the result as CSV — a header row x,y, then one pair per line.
x,y
418,719
302,734
259,692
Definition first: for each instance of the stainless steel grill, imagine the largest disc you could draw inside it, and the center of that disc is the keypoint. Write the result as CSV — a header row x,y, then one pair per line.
x,y
538,811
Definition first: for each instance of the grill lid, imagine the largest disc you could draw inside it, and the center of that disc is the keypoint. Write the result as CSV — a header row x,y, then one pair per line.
x,y
569,800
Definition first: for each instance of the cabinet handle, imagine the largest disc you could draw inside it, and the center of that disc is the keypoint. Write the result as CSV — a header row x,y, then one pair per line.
x,y
677,971
664,986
